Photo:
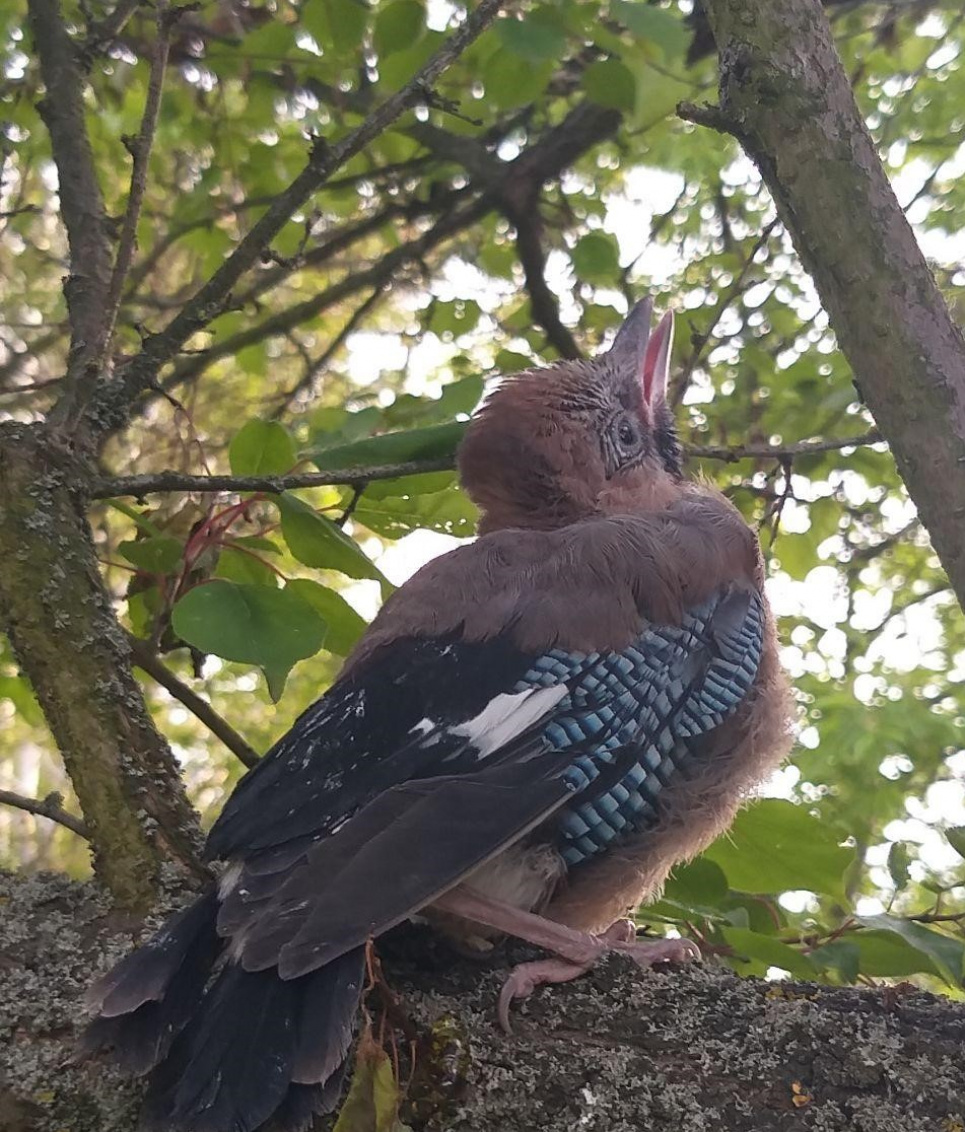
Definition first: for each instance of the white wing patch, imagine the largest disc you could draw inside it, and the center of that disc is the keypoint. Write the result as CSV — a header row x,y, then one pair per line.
x,y
507,715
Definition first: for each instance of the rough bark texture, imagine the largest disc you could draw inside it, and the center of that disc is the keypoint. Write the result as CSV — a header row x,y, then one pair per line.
x,y
785,96
618,1051
67,640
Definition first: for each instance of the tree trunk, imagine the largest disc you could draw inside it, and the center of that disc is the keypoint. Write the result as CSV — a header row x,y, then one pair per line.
x,y
785,96
621,1049
68,643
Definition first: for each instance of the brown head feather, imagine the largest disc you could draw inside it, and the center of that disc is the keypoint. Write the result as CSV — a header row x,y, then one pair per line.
x,y
542,451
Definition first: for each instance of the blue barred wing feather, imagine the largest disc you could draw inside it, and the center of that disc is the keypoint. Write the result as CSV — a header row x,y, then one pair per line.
x,y
453,751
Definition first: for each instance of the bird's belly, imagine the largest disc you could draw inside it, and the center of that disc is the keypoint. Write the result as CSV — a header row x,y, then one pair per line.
x,y
523,876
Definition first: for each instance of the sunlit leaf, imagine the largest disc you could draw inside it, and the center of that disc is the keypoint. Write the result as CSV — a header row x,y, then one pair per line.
x,y
775,846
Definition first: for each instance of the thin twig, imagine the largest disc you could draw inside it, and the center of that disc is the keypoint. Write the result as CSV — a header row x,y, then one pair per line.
x,y
140,153
306,384
50,807
731,454
682,383
145,659
103,32
111,409
109,487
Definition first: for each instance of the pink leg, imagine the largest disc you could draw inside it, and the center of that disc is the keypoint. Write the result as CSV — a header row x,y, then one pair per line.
x,y
576,952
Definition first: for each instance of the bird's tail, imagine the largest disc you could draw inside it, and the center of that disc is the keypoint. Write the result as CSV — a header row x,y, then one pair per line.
x,y
250,1048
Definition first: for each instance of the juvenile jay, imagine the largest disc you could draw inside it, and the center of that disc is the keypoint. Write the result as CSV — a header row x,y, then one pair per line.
x,y
533,731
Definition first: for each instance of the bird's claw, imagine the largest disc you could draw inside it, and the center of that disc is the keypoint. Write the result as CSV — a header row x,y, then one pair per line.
x,y
619,937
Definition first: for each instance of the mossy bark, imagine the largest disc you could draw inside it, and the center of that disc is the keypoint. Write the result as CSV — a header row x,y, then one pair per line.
x,y
784,94
620,1050
59,618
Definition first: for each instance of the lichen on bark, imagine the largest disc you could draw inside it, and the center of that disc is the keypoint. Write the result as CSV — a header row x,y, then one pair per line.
x,y
66,638
620,1050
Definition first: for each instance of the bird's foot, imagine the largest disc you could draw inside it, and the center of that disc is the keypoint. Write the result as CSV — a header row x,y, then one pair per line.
x,y
575,952
619,937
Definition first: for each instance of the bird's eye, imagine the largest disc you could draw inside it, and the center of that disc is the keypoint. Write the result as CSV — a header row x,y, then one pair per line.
x,y
627,433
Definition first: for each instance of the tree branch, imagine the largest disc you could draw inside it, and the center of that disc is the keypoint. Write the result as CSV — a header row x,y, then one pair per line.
x,y
140,153
81,201
150,663
785,95
50,807
152,483
731,454
109,411
109,487
378,275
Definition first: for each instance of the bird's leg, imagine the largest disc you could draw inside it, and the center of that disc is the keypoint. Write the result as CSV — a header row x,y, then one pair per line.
x,y
576,951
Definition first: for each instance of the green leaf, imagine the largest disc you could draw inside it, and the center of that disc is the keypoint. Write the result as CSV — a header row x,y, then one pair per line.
x,y
343,625
261,448
596,258
947,955
237,564
775,846
843,956
537,37
161,555
699,884
898,860
316,541
449,512
510,84
346,21
754,954
955,836
658,25
434,442
259,625
398,26
610,83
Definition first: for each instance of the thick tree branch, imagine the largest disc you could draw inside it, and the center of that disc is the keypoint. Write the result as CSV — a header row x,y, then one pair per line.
x,y
65,636
109,411
50,807
654,1051
109,487
149,662
785,95
81,201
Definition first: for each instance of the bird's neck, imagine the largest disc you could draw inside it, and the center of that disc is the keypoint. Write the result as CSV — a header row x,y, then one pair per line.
x,y
627,496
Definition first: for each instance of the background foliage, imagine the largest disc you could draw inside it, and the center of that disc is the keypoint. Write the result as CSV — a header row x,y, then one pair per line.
x,y
546,182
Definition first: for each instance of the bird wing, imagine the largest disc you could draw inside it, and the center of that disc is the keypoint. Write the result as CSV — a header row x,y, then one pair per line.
x,y
432,754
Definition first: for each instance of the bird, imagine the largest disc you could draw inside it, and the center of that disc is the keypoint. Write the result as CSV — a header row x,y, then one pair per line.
x,y
533,731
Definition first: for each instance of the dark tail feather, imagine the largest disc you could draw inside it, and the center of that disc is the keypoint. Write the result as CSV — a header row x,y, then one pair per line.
x,y
143,1003
260,1047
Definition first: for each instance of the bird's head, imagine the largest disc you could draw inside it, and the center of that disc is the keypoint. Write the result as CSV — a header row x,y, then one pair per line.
x,y
579,438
